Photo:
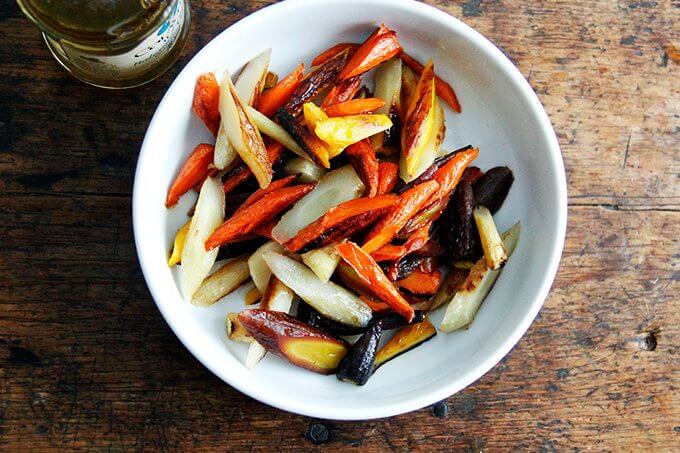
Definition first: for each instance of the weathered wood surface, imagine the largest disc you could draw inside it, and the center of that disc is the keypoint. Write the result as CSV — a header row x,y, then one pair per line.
x,y
87,361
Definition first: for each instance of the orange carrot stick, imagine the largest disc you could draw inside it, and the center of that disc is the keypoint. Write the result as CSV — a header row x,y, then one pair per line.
x,y
419,282
258,213
443,89
242,173
339,215
362,157
418,239
265,230
342,91
192,172
376,306
412,201
349,228
389,252
388,173
449,174
261,193
275,97
333,51
206,101
379,47
354,107
373,275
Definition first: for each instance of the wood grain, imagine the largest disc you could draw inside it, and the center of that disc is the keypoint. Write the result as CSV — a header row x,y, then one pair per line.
x,y
88,363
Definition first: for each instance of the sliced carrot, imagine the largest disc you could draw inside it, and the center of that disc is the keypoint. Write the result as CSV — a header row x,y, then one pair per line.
x,y
206,101
376,306
449,174
342,91
443,89
410,203
373,275
192,172
350,227
275,97
333,51
362,157
352,280
419,282
265,230
354,107
319,79
338,215
418,239
261,193
259,213
388,173
242,173
379,47
427,215
389,252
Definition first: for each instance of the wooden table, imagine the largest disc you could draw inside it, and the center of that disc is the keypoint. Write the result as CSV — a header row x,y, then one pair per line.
x,y
88,362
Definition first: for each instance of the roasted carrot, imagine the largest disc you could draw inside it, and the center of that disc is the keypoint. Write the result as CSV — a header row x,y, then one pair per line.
x,y
320,78
428,214
379,47
275,97
420,282
352,280
194,170
472,174
212,171
418,239
429,265
340,214
257,214
349,228
410,203
342,91
443,89
377,306
242,173
388,173
389,252
431,248
333,51
206,101
354,107
373,275
449,174
261,193
265,230
362,157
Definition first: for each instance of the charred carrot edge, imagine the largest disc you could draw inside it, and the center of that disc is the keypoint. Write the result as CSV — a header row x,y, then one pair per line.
x,y
379,47
258,213
362,157
275,97
352,280
410,203
376,306
449,174
443,89
418,239
350,227
429,264
319,79
337,215
388,173
380,285
333,51
310,143
432,169
342,91
206,101
261,193
420,282
428,214
354,107
389,252
242,173
193,170
471,175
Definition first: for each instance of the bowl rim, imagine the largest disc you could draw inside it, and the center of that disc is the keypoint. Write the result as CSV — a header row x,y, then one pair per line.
x,y
416,402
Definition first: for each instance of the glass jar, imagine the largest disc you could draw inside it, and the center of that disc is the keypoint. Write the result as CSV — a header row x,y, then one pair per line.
x,y
112,43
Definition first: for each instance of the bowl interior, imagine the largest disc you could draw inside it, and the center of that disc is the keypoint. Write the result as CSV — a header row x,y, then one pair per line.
x,y
500,115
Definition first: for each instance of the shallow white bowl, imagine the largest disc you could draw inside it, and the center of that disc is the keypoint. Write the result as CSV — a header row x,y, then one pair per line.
x,y
501,115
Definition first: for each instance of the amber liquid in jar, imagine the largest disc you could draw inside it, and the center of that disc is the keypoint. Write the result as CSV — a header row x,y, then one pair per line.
x,y
112,43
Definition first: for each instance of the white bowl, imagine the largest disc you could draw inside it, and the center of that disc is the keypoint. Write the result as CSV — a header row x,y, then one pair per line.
x,y
501,115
